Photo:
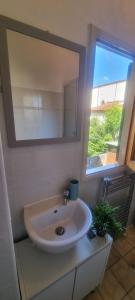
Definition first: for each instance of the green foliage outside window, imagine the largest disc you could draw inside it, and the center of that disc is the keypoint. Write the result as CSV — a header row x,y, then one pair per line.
x,y
105,130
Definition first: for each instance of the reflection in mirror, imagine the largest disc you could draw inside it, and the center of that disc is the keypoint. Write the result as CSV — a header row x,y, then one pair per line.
x,y
44,85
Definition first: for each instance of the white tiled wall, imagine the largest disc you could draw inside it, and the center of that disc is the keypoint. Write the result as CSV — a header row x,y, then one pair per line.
x,y
8,276
37,113
36,172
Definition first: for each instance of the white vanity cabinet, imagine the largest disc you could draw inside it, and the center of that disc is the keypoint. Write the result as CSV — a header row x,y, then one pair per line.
x,y
65,276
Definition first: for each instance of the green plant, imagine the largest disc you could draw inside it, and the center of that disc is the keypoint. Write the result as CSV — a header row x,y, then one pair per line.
x,y
105,220
113,120
97,136
104,130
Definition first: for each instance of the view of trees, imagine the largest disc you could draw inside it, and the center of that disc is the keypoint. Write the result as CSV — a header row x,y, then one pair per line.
x,y
105,130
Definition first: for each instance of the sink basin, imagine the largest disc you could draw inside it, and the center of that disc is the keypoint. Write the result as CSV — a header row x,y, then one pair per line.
x,y
55,227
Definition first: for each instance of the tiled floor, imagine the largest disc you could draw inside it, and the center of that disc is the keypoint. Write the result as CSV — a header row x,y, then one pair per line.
x,y
119,279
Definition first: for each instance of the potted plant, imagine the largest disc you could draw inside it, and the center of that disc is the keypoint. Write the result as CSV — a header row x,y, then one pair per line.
x,y
105,220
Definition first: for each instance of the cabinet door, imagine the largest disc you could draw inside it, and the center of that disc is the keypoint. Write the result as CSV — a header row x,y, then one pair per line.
x,y
89,274
60,290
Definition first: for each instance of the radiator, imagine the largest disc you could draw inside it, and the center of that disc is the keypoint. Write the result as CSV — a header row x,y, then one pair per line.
x,y
118,191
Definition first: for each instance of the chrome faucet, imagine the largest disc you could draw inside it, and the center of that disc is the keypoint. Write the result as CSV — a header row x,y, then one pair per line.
x,y
66,197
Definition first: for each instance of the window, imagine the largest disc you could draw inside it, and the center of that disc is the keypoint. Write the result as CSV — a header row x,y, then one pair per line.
x,y
107,101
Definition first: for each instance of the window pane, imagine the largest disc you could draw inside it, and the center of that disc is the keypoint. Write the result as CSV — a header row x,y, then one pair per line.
x,y
106,108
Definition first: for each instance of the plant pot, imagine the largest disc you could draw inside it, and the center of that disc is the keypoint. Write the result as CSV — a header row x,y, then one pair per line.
x,y
100,232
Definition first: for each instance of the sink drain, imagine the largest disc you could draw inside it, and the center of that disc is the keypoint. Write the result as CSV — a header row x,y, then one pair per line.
x,y
60,230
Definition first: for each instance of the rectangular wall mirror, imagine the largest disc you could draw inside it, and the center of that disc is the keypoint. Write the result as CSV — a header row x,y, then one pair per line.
x,y
42,80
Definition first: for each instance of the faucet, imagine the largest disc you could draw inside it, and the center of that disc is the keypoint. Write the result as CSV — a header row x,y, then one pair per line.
x,y
66,197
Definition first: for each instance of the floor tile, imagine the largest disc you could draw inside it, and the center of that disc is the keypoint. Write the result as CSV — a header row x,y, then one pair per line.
x,y
93,296
130,234
132,294
124,274
130,258
126,298
123,245
110,288
113,257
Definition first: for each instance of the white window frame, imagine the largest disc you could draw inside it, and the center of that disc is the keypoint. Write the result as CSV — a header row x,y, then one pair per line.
x,y
95,34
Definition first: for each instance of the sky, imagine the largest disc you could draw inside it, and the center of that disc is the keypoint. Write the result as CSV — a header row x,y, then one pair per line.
x,y
109,66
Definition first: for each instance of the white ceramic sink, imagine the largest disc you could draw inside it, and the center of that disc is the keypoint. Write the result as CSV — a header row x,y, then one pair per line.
x,y
55,227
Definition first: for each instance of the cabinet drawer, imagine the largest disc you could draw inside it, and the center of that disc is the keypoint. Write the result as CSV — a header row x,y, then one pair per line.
x,y
60,290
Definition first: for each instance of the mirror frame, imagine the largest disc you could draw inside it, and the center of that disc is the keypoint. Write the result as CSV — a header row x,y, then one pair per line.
x,y
7,23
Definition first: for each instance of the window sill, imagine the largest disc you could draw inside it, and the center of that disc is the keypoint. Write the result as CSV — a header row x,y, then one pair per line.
x,y
103,171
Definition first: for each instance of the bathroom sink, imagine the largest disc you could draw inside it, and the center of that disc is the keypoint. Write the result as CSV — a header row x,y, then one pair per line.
x,y
55,227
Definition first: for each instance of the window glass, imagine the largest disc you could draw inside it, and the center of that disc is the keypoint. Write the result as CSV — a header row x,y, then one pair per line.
x,y
106,106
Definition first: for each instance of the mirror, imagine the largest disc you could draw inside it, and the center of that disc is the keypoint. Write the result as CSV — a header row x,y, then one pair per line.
x,y
45,82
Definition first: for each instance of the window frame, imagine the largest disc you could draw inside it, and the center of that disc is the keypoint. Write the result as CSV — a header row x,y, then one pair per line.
x,y
130,161
97,35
